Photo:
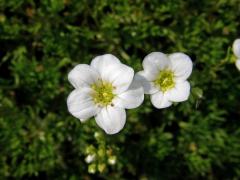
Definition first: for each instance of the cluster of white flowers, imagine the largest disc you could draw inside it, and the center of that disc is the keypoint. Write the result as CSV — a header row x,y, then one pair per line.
x,y
106,87
236,51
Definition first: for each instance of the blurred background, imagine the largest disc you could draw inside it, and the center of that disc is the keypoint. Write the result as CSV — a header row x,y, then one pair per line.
x,y
42,40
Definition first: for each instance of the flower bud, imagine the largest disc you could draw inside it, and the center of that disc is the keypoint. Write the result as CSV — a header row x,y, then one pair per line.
x,y
90,158
92,168
112,160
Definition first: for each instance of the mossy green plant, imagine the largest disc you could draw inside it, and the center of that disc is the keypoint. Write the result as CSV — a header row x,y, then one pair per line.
x,y
41,41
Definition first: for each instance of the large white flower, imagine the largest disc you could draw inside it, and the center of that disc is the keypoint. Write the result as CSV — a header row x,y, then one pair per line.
x,y
104,89
165,78
236,51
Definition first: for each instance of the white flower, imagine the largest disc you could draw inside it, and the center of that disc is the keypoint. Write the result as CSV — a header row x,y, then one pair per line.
x,y
104,89
236,51
165,78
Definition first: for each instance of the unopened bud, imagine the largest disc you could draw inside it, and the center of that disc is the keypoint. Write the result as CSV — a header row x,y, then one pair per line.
x,y
92,168
112,160
101,167
90,158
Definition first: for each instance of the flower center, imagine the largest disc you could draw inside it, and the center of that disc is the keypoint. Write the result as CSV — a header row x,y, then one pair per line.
x,y
103,93
165,80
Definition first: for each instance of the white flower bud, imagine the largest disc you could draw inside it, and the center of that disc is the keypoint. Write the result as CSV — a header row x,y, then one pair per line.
x,y
112,160
90,158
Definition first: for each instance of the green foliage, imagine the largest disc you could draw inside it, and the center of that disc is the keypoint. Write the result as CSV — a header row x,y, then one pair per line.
x,y
41,41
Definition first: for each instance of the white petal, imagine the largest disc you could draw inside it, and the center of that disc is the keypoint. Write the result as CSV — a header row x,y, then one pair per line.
x,y
147,84
111,119
101,63
147,75
180,92
236,47
181,65
120,76
113,71
131,98
238,64
81,105
155,61
159,100
83,76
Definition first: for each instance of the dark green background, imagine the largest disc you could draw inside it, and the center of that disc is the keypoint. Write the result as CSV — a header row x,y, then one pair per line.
x,y
41,41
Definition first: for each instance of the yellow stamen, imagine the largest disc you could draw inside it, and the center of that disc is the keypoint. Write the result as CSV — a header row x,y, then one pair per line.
x,y
103,93
165,80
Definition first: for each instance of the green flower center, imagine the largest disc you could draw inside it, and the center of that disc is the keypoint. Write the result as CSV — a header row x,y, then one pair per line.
x,y
165,80
103,93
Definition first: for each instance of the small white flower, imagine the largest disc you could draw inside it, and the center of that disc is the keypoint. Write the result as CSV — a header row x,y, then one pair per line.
x,y
104,89
236,48
165,78
90,158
